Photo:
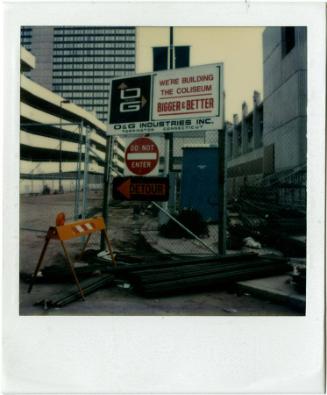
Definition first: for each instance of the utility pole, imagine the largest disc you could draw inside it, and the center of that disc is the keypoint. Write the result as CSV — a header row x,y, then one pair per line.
x,y
168,164
171,67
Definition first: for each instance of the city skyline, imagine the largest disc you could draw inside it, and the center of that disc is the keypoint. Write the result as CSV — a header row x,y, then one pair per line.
x,y
233,46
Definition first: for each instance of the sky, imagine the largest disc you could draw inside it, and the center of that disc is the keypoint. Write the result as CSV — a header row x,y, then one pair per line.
x,y
239,48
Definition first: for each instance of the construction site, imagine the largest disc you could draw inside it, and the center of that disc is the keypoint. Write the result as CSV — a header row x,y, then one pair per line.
x,y
116,292
136,215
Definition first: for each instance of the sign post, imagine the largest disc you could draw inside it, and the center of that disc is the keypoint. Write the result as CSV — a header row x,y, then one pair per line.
x,y
106,186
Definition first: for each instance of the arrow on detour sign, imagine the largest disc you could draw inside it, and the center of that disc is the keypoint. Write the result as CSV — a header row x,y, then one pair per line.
x,y
141,188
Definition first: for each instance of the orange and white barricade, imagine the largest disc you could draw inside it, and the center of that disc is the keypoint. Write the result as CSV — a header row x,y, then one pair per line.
x,y
64,232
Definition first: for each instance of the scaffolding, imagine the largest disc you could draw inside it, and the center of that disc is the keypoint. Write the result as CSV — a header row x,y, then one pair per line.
x,y
83,138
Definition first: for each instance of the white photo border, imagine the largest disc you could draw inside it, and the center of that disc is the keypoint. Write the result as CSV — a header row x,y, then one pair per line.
x,y
108,354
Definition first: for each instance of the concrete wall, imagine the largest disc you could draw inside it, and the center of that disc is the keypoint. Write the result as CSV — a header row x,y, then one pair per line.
x,y
285,87
244,148
281,144
244,170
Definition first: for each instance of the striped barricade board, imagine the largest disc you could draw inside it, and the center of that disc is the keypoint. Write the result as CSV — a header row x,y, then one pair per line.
x,y
80,228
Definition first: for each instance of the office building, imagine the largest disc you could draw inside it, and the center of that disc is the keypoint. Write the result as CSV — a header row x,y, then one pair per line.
x,y
77,62
244,148
285,102
268,146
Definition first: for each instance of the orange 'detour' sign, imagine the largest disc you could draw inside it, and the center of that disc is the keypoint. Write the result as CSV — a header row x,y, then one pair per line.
x,y
141,188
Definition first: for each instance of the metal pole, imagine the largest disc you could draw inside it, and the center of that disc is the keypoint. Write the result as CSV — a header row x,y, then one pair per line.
x,y
222,179
106,177
60,144
171,48
60,148
86,172
171,67
78,180
106,187
168,165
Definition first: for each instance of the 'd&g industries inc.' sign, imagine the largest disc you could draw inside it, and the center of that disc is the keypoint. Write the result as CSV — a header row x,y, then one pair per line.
x,y
185,99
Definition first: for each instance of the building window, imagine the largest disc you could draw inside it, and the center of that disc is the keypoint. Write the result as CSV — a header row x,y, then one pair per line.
x,y
288,39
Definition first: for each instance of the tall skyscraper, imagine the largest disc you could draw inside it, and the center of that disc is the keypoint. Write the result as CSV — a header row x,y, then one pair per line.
x,y
77,62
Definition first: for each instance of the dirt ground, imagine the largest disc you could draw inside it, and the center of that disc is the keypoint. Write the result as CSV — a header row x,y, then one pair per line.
x,y
37,213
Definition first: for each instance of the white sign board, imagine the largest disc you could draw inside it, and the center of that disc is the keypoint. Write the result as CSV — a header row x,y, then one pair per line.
x,y
186,93
179,100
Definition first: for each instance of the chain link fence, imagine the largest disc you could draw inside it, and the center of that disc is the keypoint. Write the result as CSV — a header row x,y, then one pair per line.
x,y
188,223
266,188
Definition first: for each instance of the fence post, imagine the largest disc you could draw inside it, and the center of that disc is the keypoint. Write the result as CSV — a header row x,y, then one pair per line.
x,y
78,179
86,171
106,186
222,192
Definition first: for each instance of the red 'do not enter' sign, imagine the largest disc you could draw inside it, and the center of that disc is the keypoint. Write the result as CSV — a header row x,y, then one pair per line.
x,y
142,156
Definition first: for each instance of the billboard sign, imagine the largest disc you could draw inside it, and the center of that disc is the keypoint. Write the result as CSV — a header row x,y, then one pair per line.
x,y
179,100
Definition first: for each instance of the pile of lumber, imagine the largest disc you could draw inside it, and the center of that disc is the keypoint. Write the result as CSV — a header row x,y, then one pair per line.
x,y
193,277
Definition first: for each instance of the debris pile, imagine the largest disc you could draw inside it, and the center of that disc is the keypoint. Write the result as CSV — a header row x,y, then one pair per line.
x,y
299,278
269,223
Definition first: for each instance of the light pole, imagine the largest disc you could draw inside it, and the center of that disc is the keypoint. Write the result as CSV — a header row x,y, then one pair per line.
x,y
60,144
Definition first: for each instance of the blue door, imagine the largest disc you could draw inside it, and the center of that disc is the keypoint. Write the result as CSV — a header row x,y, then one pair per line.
x,y
199,184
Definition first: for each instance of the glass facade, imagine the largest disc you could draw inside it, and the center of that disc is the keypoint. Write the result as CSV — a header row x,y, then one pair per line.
x,y
84,59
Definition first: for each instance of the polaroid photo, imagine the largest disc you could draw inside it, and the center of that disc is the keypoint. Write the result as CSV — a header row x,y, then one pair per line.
x,y
164,181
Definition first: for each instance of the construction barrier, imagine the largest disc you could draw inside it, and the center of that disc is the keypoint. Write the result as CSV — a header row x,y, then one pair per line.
x,y
64,232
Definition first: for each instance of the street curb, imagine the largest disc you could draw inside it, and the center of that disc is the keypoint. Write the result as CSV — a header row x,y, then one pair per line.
x,y
292,300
